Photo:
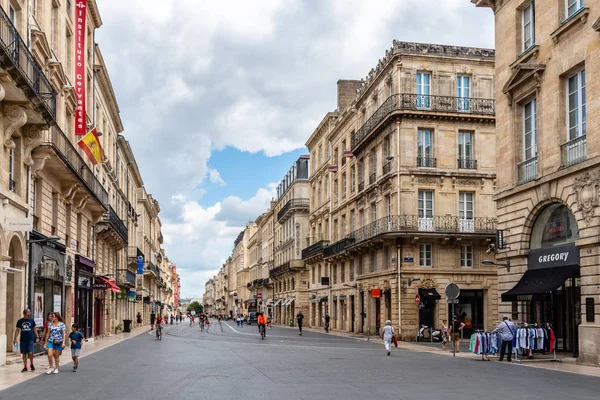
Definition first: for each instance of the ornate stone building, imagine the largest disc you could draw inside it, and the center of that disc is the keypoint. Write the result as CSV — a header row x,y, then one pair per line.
x,y
547,192
408,193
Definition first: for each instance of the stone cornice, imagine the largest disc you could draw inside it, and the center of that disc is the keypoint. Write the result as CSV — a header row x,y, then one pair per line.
x,y
596,25
93,8
107,88
130,159
322,129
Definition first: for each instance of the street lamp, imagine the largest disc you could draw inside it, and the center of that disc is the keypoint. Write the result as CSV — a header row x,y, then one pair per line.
x,y
490,262
352,286
52,238
411,280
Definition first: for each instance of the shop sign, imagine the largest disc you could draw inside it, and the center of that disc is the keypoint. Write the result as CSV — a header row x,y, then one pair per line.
x,y
376,293
80,32
409,259
259,296
100,285
140,265
19,224
558,256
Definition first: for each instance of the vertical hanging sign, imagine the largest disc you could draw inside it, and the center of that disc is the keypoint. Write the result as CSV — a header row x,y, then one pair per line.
x,y
80,32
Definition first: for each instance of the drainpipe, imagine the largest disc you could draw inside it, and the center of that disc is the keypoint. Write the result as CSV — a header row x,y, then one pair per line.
x,y
399,279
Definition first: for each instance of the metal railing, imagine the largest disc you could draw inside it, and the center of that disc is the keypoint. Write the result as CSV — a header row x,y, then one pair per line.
x,y
56,139
430,162
15,49
286,267
372,178
573,152
387,167
134,252
293,204
338,246
527,171
125,277
153,268
467,163
115,222
409,101
314,249
435,224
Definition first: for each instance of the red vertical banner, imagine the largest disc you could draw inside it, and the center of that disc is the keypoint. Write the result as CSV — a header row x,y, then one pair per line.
x,y
80,33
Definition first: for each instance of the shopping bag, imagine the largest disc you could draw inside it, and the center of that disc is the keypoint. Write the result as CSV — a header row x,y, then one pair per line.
x,y
207,322
395,340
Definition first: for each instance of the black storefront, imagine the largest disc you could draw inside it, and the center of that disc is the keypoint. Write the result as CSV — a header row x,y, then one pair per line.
x,y
428,301
550,290
84,279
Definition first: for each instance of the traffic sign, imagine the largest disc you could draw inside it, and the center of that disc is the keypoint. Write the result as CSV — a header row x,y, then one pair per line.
x,y
418,299
452,291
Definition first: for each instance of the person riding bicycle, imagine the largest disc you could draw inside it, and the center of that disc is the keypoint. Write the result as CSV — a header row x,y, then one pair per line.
x,y
262,323
159,321
202,319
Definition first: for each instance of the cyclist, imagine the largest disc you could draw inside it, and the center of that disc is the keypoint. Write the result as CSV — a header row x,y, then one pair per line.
x,y
202,319
159,321
262,323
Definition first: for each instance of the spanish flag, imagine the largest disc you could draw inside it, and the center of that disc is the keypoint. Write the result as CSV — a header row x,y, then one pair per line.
x,y
91,146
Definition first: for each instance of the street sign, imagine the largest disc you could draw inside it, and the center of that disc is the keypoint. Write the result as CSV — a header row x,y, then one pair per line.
x,y
418,299
452,291
409,259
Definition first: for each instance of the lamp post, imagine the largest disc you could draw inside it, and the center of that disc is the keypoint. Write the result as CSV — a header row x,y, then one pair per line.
x,y
505,265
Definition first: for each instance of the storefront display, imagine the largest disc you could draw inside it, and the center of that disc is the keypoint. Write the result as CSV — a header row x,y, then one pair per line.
x,y
84,276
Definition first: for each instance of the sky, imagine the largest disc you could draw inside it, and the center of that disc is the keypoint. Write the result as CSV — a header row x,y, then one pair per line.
x,y
218,98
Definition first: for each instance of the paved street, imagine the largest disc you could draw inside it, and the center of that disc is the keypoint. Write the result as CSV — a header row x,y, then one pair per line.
x,y
233,363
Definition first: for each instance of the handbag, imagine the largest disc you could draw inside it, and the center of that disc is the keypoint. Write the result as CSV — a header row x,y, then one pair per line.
x,y
57,342
395,340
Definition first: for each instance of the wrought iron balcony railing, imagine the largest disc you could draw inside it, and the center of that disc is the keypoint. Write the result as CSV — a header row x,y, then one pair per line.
x,y
314,249
527,171
134,252
387,167
57,140
423,103
125,278
287,266
338,246
430,162
372,178
154,269
467,163
115,222
573,152
436,224
16,58
293,204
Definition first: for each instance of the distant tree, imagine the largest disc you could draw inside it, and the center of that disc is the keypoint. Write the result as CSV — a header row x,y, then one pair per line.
x,y
195,306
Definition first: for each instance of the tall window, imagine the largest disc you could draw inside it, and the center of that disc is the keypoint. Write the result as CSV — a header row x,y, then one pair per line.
x,y
423,89
372,266
361,171
343,150
465,211
343,272
335,230
576,105
466,256
425,255
12,14
373,166
425,210
373,212
573,6
388,205
361,218
388,147
463,92
424,148
465,150
529,130
352,179
335,191
343,227
352,269
352,222
53,26
344,185
528,27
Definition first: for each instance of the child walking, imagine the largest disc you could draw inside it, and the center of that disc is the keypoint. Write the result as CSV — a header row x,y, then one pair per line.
x,y
76,340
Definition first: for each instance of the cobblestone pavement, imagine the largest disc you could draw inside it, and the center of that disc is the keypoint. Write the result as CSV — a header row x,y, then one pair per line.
x,y
228,362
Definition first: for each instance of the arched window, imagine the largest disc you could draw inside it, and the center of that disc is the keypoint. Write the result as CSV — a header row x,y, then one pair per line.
x,y
555,226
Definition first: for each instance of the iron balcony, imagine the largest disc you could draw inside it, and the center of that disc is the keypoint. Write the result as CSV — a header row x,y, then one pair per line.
x,y
573,152
293,204
288,266
467,163
153,268
338,247
429,162
527,171
125,278
314,249
112,219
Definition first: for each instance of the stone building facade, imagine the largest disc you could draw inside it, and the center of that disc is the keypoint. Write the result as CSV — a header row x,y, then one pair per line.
x,y
403,191
548,177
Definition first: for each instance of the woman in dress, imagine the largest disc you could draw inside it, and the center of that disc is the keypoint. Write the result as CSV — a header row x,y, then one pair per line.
x,y
139,319
444,334
387,334
57,341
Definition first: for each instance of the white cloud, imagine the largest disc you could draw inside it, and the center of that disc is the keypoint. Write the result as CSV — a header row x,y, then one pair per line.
x,y
215,177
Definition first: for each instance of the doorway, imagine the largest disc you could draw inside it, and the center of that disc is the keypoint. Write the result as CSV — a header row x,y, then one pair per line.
x,y
352,311
97,316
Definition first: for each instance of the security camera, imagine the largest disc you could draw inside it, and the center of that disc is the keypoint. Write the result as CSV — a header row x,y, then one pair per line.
x,y
491,249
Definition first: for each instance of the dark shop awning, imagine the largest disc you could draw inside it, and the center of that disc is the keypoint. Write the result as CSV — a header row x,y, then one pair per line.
x,y
535,283
429,295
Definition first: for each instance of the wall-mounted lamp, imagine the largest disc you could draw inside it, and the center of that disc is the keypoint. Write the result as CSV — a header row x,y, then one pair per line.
x,y
490,262
411,280
52,238
352,286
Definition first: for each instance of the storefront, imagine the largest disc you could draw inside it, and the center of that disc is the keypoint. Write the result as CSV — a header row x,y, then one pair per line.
x,y
428,298
470,311
102,287
549,292
84,278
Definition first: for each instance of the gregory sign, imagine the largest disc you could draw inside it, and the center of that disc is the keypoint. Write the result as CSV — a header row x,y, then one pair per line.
x,y
558,256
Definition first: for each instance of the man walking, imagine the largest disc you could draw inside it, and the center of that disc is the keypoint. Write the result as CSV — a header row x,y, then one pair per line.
x,y
300,317
26,326
507,333
327,319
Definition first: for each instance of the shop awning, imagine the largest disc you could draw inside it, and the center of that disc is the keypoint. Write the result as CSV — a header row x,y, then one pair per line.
x,y
315,300
106,284
429,295
278,302
289,301
324,298
342,298
269,301
535,283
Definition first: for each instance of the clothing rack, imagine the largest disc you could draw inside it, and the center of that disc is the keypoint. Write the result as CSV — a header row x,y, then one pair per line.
x,y
534,325
484,354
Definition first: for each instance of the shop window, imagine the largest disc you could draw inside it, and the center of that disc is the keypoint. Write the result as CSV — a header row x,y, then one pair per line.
x,y
515,311
556,225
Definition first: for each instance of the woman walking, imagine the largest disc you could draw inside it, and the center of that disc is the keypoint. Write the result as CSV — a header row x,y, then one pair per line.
x,y
46,336
139,319
56,342
387,334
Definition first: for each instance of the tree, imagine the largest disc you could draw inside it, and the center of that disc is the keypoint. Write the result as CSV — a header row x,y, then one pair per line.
x,y
195,306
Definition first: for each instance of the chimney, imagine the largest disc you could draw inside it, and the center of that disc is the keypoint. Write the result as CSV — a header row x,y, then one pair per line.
x,y
346,93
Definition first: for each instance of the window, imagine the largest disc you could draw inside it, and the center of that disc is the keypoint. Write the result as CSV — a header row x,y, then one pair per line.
x,y
465,212
388,147
425,255
12,14
343,272
335,230
53,26
529,130
343,226
425,210
361,218
334,273
12,186
466,256
465,150
359,268
388,205
528,27
352,269
576,105
343,185
352,179
372,266
352,221
335,191
425,148
343,151
361,171
463,92
54,213
373,212
423,89
373,166
573,6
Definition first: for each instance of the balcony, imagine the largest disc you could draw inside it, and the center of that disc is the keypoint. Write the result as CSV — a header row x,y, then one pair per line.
x,y
134,252
289,266
411,224
293,204
125,278
402,103
112,220
573,152
428,162
387,167
66,162
338,247
527,171
372,178
153,269
314,250
160,238
27,74
467,163
361,186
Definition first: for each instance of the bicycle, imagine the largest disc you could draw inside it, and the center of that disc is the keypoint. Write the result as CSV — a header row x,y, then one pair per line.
x,y
202,325
261,329
158,332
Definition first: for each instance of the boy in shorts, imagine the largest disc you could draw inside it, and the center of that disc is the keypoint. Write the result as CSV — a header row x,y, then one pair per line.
x,y
76,340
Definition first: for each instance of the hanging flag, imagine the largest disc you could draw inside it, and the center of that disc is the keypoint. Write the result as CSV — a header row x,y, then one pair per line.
x,y
80,32
348,153
91,146
332,168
